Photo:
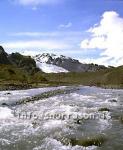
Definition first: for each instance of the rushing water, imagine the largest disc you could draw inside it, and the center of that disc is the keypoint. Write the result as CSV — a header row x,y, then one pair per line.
x,y
35,126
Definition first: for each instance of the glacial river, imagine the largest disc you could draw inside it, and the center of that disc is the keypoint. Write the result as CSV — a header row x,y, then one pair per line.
x,y
50,123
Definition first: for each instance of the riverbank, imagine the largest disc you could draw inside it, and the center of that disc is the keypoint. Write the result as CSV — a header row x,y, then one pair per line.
x,y
109,78
22,86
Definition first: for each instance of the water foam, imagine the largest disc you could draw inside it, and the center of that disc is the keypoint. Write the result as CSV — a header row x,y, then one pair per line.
x,y
5,113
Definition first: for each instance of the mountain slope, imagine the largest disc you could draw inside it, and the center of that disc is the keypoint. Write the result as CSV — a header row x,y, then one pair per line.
x,y
48,67
18,71
69,64
17,60
25,62
3,56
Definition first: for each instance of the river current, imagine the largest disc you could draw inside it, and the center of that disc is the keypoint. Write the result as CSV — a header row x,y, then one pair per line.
x,y
50,123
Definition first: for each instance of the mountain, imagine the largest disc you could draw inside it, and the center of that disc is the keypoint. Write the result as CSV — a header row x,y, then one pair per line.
x,y
48,63
18,71
47,67
24,62
3,56
66,64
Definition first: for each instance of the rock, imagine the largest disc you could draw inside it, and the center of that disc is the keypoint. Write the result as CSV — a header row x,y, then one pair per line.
x,y
96,141
113,101
104,109
121,119
4,104
8,93
35,124
78,121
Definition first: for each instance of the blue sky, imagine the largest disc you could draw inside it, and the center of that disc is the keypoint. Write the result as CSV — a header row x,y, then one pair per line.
x,y
68,27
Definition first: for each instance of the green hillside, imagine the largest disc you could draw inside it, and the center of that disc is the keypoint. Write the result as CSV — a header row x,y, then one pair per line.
x,y
110,78
12,77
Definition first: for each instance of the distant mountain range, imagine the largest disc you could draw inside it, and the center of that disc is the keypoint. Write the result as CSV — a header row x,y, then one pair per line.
x,y
48,63
64,64
19,72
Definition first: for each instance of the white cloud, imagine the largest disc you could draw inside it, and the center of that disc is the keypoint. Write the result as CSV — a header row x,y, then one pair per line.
x,y
35,44
46,34
108,36
62,42
36,2
33,34
34,8
100,61
68,25
30,53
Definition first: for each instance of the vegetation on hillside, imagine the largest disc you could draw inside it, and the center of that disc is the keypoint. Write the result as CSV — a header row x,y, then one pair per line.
x,y
12,77
25,62
109,78
16,70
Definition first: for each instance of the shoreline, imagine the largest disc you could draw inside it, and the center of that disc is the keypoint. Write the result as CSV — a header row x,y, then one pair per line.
x,y
13,87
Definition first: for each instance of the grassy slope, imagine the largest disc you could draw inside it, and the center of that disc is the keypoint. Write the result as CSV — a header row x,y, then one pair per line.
x,y
11,76
110,78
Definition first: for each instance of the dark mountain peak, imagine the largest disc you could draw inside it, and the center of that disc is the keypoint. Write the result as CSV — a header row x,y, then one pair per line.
x,y
16,59
2,51
3,56
1,48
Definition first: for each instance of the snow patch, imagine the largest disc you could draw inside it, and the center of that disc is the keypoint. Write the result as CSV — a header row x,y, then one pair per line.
x,y
49,68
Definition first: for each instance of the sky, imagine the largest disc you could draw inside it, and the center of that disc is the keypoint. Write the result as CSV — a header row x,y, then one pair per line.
x,y
88,30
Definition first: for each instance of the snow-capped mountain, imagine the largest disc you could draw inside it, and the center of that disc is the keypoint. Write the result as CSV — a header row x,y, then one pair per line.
x,y
42,63
53,63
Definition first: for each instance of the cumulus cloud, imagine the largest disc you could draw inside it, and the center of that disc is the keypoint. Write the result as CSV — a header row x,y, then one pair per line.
x,y
107,36
36,2
68,25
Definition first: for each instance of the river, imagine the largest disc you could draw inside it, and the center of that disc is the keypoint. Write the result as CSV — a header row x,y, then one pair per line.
x,y
50,123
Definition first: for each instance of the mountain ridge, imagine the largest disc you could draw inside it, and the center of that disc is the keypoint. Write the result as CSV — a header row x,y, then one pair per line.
x,y
18,71
46,62
68,63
